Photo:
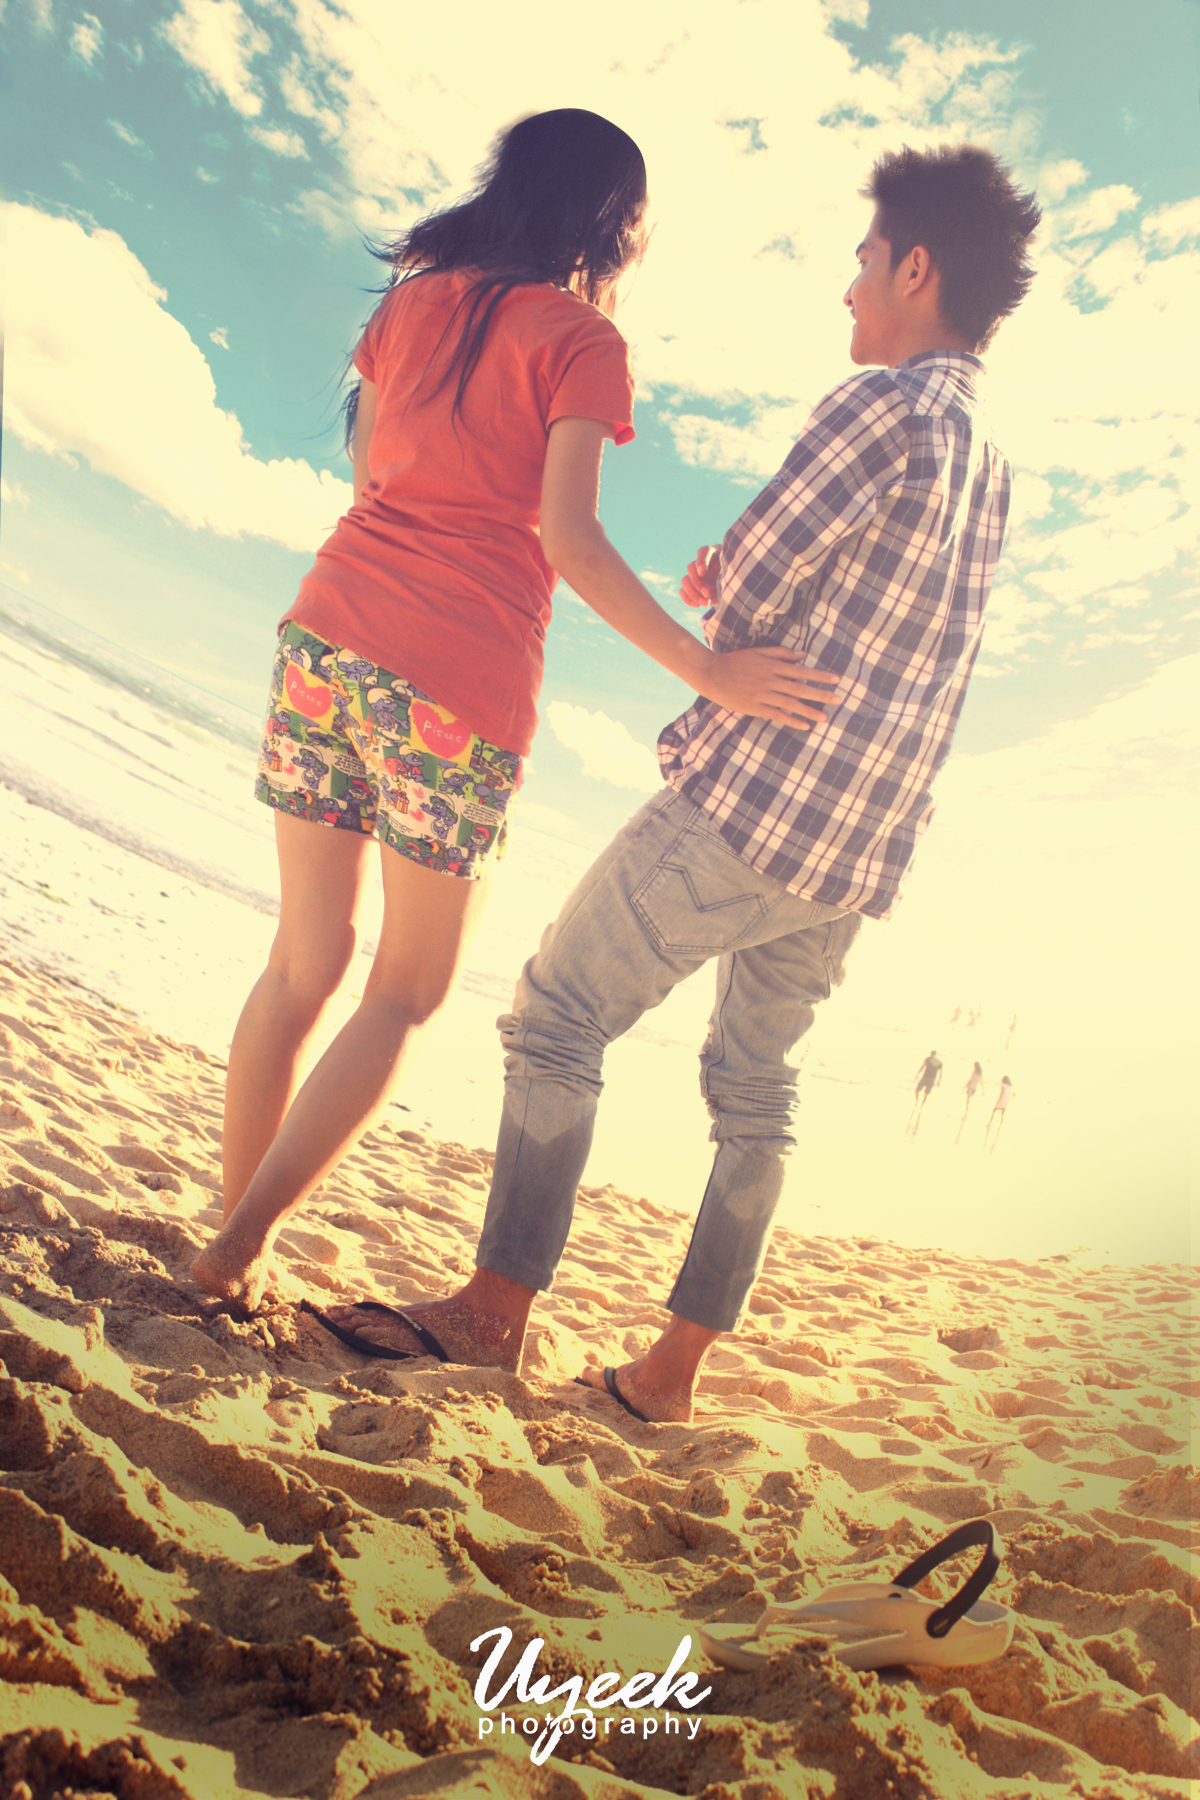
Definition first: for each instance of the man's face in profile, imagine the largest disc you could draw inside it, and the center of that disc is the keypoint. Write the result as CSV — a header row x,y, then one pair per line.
x,y
873,299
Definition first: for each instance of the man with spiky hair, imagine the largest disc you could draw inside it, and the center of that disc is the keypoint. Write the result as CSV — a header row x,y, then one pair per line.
x,y
869,556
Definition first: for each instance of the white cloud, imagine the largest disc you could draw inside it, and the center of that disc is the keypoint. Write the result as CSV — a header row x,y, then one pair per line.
x,y
1055,180
410,109
1014,619
759,127
303,101
87,38
666,585
1033,497
608,749
121,383
1171,226
12,493
219,337
1097,211
321,208
278,141
752,451
1098,402
128,137
736,316
219,41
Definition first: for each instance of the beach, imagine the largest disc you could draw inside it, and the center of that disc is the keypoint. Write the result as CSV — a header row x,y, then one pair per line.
x,y
239,1559
243,1559
930,1529
137,865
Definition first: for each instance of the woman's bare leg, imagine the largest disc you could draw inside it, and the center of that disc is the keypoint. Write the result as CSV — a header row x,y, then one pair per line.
x,y
321,875
427,923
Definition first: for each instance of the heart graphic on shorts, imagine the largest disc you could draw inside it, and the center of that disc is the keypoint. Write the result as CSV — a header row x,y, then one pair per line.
x,y
314,702
444,737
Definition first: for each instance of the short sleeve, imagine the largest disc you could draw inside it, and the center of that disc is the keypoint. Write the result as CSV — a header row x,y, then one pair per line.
x,y
366,351
597,383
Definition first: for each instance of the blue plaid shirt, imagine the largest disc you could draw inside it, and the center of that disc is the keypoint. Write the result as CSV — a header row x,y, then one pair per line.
x,y
872,552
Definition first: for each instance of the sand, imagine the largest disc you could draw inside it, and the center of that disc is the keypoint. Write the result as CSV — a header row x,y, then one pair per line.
x,y
237,1559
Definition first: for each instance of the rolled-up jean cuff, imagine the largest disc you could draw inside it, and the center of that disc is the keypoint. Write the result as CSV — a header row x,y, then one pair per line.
x,y
524,1274
709,1315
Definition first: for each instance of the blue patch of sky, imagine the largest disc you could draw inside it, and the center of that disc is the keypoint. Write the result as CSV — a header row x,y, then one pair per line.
x,y
753,129
233,254
1114,84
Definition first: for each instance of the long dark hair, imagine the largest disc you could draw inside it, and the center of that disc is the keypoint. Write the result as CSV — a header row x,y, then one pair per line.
x,y
560,199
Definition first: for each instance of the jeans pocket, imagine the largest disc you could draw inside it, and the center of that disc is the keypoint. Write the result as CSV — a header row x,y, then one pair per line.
x,y
700,899
839,941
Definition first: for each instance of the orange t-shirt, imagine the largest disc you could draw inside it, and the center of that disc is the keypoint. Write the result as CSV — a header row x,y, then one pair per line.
x,y
438,574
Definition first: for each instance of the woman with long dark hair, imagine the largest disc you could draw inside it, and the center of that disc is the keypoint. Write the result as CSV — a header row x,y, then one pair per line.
x,y
403,696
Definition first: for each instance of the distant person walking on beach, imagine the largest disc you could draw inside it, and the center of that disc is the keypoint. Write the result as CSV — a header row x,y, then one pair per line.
x,y
1002,1099
1012,1027
871,553
402,704
928,1076
973,1084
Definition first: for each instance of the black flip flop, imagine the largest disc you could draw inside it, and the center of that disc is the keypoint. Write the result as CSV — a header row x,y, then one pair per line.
x,y
610,1382
423,1335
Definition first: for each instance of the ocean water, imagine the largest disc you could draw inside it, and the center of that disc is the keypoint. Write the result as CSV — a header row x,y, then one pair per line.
x,y
130,753
139,865
135,863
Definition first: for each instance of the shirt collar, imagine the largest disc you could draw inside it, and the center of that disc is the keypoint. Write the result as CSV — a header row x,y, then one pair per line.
x,y
954,356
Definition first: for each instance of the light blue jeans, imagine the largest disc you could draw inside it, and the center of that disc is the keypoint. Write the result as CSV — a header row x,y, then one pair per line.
x,y
666,896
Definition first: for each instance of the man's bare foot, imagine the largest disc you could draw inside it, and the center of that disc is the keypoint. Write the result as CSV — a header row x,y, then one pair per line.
x,y
661,1385
661,1405
482,1325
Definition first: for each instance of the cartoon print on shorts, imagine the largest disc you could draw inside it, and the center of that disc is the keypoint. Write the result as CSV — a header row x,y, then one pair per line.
x,y
387,707
448,859
351,667
349,744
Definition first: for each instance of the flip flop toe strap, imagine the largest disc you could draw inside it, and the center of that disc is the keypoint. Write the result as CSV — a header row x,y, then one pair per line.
x,y
365,1347
975,1531
422,1334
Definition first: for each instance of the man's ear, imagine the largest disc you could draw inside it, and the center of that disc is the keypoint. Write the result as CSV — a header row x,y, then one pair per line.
x,y
920,272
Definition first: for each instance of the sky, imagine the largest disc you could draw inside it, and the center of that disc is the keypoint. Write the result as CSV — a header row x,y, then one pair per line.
x,y
188,185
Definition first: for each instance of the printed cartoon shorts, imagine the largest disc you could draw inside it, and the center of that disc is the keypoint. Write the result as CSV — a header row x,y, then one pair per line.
x,y
352,745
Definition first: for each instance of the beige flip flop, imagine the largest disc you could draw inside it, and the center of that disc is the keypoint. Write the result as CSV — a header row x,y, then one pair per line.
x,y
875,1624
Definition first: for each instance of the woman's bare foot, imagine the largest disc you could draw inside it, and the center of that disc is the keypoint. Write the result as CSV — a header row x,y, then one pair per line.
x,y
235,1269
661,1385
483,1325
